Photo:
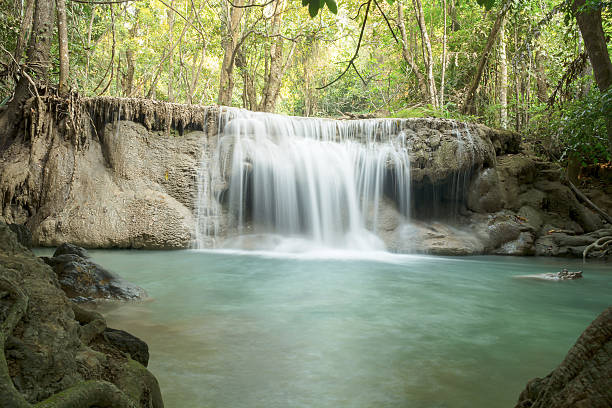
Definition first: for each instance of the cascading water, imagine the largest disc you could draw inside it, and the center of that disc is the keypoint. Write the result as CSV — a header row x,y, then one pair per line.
x,y
322,180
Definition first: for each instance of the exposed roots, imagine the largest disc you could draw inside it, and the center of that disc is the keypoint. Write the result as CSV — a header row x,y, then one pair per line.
x,y
86,394
600,244
92,323
9,396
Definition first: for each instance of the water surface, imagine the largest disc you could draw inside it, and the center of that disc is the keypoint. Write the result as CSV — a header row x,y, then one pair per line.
x,y
231,330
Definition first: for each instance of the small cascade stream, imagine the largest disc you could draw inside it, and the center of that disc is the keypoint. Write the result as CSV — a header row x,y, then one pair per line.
x,y
321,180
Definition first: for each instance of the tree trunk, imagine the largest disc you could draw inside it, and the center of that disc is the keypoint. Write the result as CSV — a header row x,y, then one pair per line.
x,y
273,79
408,56
38,58
226,80
24,31
62,34
541,77
171,57
431,85
589,21
468,105
444,41
503,78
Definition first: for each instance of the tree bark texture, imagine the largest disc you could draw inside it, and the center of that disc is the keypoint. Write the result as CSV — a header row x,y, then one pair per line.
x,y
421,83
38,59
468,105
503,78
275,73
444,46
431,84
24,31
226,81
62,34
590,23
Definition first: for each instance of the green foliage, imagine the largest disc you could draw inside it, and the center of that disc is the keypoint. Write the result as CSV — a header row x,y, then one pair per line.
x,y
430,112
315,5
579,127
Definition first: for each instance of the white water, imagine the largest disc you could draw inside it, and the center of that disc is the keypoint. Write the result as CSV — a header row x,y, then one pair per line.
x,y
313,180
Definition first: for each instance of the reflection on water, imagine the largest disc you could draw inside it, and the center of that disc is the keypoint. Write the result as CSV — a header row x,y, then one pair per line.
x,y
254,330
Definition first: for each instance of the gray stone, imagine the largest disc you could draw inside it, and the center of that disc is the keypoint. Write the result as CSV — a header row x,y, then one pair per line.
x,y
81,278
484,194
67,248
532,216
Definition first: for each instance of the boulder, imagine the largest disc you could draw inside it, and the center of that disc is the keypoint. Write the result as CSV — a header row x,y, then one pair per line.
x,y
484,194
71,249
532,217
583,379
124,341
82,279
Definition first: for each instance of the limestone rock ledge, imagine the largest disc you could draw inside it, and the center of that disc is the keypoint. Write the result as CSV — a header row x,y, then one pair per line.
x,y
125,187
583,379
56,346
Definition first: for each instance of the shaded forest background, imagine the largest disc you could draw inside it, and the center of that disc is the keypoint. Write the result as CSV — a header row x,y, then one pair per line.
x,y
523,65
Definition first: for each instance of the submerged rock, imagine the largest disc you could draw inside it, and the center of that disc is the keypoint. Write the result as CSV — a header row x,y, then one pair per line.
x,y
84,280
557,276
583,379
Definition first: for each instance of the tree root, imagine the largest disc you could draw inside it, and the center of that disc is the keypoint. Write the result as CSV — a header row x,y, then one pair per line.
x,y
9,396
86,394
584,198
100,394
92,323
601,243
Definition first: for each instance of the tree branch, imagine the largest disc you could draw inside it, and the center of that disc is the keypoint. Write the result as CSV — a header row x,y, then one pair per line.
x,y
352,60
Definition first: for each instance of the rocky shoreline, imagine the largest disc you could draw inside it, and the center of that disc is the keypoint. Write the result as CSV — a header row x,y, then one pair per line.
x,y
57,353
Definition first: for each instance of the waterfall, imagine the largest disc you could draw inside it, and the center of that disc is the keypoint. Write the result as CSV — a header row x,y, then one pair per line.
x,y
317,179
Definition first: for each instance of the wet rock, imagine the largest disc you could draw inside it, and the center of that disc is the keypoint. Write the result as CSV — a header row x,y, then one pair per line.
x,y
70,249
124,341
563,275
81,278
523,245
437,239
583,379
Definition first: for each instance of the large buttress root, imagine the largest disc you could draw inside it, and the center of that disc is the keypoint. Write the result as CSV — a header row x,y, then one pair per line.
x,y
9,396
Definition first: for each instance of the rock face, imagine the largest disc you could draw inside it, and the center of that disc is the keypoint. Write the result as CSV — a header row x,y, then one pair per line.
x,y
583,379
123,187
133,183
53,345
84,280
